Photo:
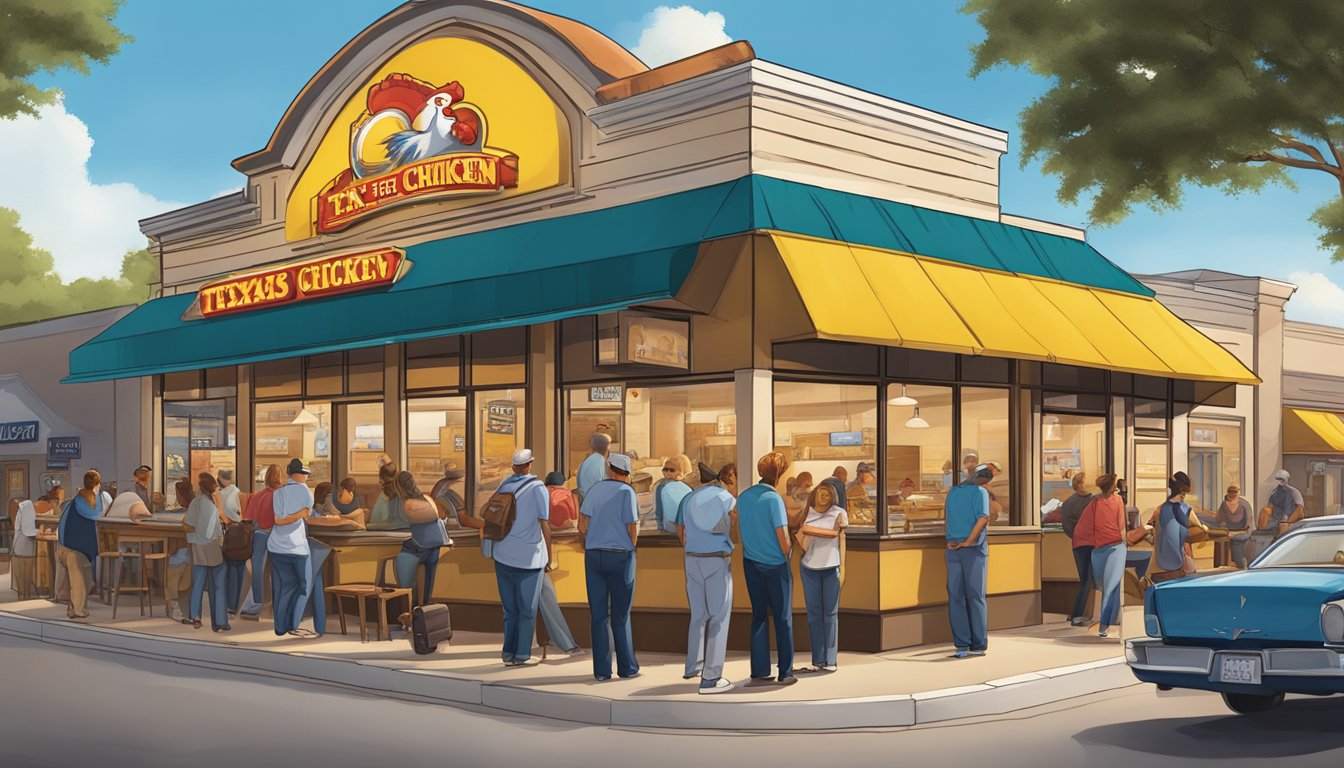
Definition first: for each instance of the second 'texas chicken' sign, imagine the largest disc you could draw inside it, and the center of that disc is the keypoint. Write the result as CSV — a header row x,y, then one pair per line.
x,y
302,280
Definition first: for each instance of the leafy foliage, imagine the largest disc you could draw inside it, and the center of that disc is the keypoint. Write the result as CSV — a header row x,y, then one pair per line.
x,y
46,36
31,291
1149,95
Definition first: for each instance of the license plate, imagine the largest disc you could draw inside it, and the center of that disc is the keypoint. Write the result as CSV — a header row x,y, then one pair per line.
x,y
1239,669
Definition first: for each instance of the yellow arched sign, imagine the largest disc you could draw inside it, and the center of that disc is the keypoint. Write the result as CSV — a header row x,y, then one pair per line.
x,y
445,119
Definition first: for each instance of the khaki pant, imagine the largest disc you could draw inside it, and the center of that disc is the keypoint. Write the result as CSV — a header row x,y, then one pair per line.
x,y
23,571
79,578
177,588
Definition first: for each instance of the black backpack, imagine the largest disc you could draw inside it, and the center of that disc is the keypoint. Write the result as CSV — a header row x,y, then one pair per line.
x,y
430,625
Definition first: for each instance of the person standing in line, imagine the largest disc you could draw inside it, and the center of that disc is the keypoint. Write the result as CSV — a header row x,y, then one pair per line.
x,y
1069,513
288,550
704,520
77,545
564,513
764,527
260,510
521,557
593,470
205,535
1103,524
231,510
822,538
967,514
609,525
1285,506
668,493
1234,515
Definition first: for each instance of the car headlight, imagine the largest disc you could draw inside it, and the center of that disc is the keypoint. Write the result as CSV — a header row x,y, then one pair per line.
x,y
1332,623
1131,653
1151,626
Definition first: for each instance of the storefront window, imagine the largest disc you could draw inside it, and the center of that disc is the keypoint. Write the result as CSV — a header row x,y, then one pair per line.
x,y
362,425
920,469
1070,444
1215,462
825,430
436,443
985,436
588,411
293,429
499,357
1152,468
434,363
198,437
697,422
501,426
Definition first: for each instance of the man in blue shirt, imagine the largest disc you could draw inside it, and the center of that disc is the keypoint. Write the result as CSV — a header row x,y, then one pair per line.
x,y
764,526
703,520
609,525
287,548
593,470
966,515
521,558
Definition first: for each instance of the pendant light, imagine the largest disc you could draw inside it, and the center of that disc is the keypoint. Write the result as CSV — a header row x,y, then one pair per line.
x,y
1052,431
904,399
916,421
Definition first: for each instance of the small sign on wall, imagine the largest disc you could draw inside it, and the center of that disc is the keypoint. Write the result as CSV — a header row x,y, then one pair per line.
x,y
18,432
63,448
611,394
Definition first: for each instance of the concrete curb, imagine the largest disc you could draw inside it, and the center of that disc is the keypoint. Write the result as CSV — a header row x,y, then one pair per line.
x,y
996,697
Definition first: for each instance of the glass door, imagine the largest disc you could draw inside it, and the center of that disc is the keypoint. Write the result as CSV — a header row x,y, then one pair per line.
x,y
1206,472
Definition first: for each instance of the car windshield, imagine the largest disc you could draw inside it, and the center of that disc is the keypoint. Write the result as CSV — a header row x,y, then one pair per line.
x,y
1313,549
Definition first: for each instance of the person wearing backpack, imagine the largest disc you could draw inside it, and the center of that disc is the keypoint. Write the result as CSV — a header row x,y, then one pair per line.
x,y
609,525
703,521
515,532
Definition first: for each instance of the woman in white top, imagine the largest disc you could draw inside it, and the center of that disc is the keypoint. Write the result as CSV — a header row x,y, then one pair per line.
x,y
205,535
821,540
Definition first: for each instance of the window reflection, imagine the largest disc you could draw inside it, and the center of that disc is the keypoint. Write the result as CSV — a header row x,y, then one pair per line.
x,y
436,437
1070,444
829,430
287,430
199,436
985,439
919,457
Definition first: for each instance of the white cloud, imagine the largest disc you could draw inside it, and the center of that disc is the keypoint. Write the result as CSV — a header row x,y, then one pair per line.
x,y
675,33
87,227
1318,299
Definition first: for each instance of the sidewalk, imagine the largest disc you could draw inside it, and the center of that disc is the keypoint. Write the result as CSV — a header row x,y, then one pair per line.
x,y
1024,668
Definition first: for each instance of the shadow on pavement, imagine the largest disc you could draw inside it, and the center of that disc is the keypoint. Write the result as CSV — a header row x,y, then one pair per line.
x,y
1299,727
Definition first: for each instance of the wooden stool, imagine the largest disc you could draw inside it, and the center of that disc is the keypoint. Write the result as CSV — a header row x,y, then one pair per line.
x,y
358,592
46,563
157,556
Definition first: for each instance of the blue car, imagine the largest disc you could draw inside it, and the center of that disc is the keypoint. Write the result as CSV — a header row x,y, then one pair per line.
x,y
1252,635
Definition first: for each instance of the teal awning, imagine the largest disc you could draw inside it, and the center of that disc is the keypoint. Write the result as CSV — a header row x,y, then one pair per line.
x,y
581,264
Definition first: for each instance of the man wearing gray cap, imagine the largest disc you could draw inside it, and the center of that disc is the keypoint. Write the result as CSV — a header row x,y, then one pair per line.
x,y
1285,505
609,525
966,516
521,557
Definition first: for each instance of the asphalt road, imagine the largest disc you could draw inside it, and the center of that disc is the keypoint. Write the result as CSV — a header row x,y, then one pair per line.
x,y
61,707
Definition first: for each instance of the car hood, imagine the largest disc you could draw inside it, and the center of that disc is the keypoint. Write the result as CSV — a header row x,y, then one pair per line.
x,y
1255,607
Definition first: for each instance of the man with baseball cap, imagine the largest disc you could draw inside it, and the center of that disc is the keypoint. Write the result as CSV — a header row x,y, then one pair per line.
x,y
521,558
609,525
966,515
1285,505
288,549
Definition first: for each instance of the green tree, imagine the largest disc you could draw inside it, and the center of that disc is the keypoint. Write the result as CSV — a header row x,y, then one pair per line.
x,y
50,35
31,291
1147,96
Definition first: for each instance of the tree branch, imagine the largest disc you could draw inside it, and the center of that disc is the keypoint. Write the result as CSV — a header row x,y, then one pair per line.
x,y
1270,157
1303,147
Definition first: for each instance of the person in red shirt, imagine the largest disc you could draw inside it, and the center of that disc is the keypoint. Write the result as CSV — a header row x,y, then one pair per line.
x,y
260,510
1103,527
564,510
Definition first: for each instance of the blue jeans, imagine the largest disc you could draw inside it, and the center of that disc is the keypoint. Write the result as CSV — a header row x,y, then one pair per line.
x,y
219,610
549,606
821,591
1082,560
314,598
289,583
770,588
236,577
406,564
252,606
519,592
966,586
611,590
1108,563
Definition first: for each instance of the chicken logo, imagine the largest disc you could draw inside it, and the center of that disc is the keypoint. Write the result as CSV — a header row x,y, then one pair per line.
x,y
413,140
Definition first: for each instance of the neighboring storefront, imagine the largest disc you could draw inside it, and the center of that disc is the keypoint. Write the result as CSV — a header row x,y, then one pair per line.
x,y
52,433
481,227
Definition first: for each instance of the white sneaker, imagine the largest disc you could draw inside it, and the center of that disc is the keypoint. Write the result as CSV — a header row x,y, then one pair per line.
x,y
722,685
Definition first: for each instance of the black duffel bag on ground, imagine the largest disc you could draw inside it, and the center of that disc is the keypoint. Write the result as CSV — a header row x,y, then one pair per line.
x,y
430,625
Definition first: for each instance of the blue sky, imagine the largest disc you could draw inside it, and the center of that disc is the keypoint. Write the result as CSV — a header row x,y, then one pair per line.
x,y
206,82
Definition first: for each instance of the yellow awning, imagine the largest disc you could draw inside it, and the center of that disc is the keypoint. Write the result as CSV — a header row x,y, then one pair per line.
x,y
1313,432
870,295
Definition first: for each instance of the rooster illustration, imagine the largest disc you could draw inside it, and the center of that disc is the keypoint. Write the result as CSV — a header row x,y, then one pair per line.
x,y
433,122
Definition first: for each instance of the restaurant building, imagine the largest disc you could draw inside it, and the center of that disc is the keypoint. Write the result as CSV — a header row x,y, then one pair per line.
x,y
480,226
